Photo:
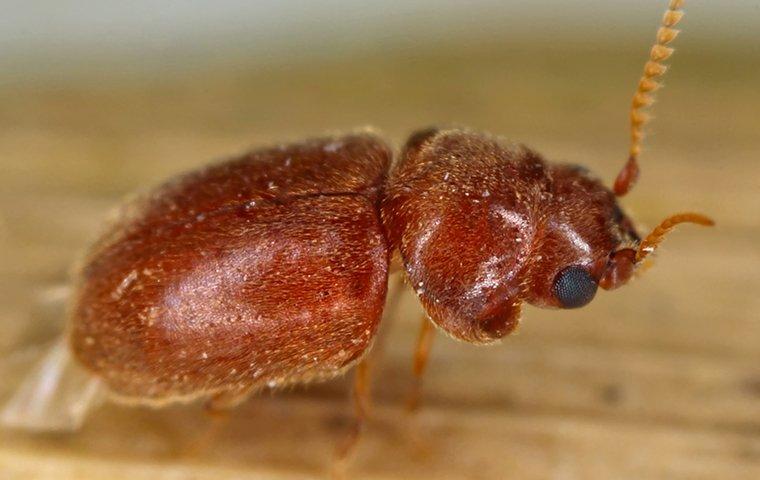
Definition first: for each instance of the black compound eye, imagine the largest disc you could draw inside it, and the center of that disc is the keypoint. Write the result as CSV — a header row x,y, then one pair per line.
x,y
574,287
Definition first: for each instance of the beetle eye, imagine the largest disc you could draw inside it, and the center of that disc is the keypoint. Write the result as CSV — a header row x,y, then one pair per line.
x,y
574,287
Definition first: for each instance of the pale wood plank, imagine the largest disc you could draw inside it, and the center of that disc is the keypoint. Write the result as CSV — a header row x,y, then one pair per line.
x,y
658,380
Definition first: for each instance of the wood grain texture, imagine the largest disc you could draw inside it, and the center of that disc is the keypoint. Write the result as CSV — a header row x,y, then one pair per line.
x,y
659,380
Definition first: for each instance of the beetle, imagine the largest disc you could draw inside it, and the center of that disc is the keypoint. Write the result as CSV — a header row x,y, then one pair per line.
x,y
271,269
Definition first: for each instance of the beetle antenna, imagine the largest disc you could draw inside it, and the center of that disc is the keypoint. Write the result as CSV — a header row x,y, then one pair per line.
x,y
653,240
644,95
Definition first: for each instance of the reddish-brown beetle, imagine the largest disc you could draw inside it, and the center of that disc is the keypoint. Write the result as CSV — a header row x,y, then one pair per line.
x,y
271,269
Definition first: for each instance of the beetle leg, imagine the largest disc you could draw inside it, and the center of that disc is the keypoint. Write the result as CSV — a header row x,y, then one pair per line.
x,y
360,396
421,355
221,403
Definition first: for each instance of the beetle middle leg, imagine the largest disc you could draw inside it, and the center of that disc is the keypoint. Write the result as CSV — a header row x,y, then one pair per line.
x,y
360,396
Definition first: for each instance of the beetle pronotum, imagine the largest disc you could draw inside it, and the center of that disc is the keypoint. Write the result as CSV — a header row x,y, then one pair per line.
x,y
271,269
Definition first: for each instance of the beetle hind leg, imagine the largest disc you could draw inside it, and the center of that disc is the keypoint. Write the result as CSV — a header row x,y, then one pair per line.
x,y
221,403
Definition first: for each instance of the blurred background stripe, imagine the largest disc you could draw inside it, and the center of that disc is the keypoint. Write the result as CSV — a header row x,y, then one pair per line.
x,y
43,39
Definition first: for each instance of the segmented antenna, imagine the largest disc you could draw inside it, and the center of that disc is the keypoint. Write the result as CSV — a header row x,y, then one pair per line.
x,y
653,240
644,96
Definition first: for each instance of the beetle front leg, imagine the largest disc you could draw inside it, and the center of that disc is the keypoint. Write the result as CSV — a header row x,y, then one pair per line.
x,y
421,355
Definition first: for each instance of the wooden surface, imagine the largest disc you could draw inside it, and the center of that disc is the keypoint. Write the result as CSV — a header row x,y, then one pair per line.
x,y
659,380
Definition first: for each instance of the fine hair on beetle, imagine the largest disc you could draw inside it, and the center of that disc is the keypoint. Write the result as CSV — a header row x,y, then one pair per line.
x,y
271,269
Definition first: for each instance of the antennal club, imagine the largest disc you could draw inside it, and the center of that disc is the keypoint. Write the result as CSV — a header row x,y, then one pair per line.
x,y
653,240
644,95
